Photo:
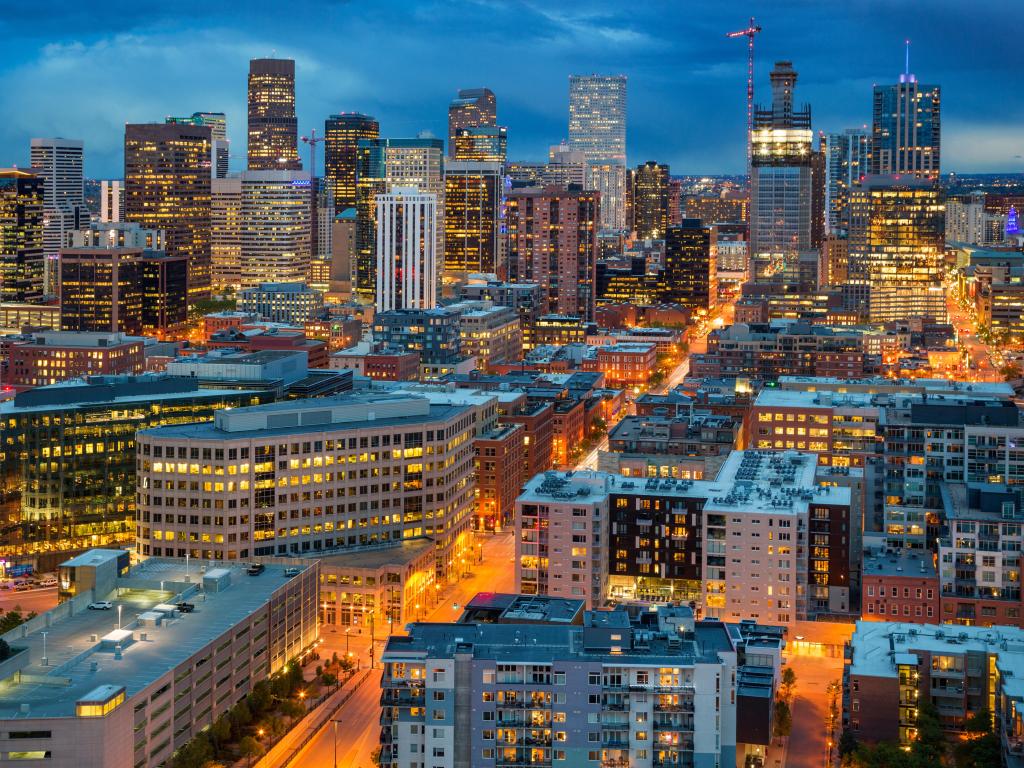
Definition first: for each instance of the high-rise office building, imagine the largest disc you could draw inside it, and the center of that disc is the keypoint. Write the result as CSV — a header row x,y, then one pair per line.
x,y
780,184
597,128
21,236
650,212
472,108
342,133
111,201
552,240
384,164
473,193
906,135
483,144
847,161
322,235
122,290
58,162
408,267
896,246
262,228
167,186
273,127
689,275
220,150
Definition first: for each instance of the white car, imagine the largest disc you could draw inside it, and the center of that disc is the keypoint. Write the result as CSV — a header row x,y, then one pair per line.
x,y
48,583
101,605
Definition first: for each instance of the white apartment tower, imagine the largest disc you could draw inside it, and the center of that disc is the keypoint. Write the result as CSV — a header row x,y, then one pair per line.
x,y
111,201
408,270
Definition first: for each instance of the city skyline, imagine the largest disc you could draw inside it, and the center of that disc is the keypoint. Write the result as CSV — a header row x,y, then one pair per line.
x,y
682,71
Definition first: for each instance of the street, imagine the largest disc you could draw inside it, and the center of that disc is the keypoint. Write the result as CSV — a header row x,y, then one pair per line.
x,y
37,600
984,363
359,729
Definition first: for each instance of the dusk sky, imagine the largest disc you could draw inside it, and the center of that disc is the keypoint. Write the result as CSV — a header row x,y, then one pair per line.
x,y
82,70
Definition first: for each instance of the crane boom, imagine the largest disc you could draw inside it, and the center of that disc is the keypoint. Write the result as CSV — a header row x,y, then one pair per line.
x,y
749,33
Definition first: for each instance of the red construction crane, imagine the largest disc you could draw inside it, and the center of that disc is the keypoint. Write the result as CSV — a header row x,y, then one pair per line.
x,y
749,33
312,140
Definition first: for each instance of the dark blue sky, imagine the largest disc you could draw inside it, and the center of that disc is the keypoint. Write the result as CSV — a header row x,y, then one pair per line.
x,y
82,70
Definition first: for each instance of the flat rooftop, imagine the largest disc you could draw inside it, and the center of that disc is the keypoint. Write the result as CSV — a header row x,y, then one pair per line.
x,y
406,552
898,562
877,645
53,690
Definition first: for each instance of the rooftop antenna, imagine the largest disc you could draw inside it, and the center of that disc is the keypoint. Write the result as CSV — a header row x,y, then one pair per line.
x,y
906,69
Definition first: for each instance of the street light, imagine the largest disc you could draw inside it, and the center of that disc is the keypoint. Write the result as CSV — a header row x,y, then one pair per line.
x,y
44,634
335,723
119,616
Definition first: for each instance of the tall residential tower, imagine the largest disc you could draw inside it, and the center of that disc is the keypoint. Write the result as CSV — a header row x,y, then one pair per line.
x,y
597,128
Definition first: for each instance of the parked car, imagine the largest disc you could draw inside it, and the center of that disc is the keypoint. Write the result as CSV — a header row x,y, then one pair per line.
x,y
186,607
255,569
51,582
292,571
23,587
100,605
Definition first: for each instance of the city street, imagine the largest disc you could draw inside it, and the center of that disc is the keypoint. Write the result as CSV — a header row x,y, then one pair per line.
x,y
359,729
816,656
983,367
37,600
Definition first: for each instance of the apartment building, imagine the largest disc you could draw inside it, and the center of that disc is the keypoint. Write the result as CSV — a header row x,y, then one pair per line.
x,y
690,447
892,667
768,351
490,334
899,585
980,554
297,477
767,539
527,680
56,356
500,462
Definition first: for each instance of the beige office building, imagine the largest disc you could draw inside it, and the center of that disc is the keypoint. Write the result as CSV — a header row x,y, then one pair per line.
x,y
312,477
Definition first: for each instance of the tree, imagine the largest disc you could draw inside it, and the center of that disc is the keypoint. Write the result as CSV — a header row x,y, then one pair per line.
x,y
783,719
1010,372
220,732
329,679
847,744
249,748
292,709
195,754
240,714
261,697
788,683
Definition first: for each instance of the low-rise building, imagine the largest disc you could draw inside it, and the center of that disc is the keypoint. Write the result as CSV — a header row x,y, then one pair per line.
x,y
67,458
54,356
380,364
294,478
892,668
899,585
500,460
259,340
113,689
623,364
292,303
490,334
230,368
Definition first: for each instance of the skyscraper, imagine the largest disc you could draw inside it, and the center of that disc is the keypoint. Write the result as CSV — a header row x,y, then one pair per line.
x,y
472,108
21,236
384,164
689,274
262,228
221,148
408,268
906,135
482,144
58,162
896,245
342,133
650,200
847,160
473,193
167,186
273,127
552,240
597,128
780,184
111,201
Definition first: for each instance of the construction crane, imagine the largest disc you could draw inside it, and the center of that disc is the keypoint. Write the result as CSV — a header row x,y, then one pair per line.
x,y
749,33
312,140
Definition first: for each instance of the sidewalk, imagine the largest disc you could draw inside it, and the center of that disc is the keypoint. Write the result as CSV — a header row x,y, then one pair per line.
x,y
288,748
